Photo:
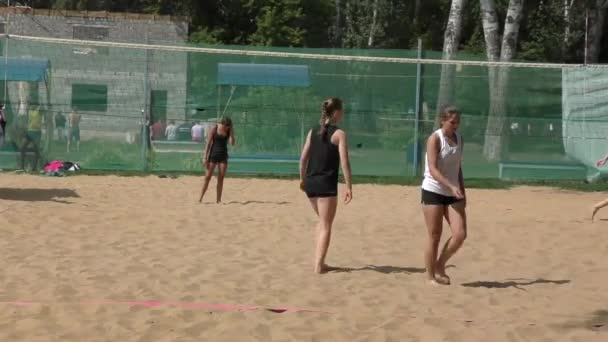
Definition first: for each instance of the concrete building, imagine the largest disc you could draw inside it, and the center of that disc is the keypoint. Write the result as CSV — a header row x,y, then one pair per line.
x,y
109,86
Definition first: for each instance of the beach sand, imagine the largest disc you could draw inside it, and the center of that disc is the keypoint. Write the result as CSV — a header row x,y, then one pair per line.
x,y
139,259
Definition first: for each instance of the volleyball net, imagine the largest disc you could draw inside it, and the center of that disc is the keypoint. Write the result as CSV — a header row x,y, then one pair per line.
x,y
141,104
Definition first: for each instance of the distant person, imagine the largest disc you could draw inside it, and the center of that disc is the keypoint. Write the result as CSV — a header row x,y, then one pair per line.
x,y
443,194
60,122
198,132
74,136
34,126
157,130
324,150
3,122
171,131
603,203
216,154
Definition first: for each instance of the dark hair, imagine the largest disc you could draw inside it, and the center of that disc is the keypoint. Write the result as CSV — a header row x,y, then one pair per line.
x,y
445,112
328,108
226,121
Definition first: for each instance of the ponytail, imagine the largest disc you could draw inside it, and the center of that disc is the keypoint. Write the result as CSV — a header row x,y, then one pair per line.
x,y
328,108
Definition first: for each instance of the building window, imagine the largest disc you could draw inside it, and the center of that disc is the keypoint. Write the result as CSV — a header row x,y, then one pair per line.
x,y
92,33
90,97
2,28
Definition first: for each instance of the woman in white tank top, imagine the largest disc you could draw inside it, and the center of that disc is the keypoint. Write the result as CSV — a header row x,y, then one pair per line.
x,y
443,194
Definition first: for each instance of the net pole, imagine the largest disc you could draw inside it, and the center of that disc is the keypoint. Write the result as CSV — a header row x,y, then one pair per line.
x,y
219,103
8,25
145,113
417,110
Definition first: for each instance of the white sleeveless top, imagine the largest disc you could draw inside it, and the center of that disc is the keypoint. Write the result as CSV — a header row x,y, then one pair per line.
x,y
448,162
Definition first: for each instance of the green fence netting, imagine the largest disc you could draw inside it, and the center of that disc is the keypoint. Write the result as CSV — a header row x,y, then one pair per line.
x,y
536,123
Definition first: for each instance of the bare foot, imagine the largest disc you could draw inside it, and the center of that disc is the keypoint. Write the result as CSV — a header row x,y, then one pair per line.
x,y
593,212
440,275
324,268
432,282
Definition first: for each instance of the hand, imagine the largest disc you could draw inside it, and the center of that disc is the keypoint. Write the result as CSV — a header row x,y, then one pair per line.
x,y
457,192
302,185
600,162
348,196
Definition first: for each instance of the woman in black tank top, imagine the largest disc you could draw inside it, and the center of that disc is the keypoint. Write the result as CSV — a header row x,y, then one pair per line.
x,y
325,149
216,153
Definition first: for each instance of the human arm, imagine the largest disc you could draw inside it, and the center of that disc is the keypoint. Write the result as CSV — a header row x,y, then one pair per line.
x,y
231,139
304,157
432,152
602,161
345,162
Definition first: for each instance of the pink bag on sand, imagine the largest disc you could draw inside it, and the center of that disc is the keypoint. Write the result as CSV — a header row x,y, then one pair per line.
x,y
54,166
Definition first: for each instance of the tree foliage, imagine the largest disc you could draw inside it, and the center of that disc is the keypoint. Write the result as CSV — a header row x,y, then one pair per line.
x,y
546,33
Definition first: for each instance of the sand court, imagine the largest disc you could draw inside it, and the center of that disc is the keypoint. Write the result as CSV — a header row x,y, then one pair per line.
x,y
112,258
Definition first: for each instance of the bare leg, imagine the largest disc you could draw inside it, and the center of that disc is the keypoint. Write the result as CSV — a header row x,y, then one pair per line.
x,y
597,207
457,218
222,167
208,175
433,216
327,212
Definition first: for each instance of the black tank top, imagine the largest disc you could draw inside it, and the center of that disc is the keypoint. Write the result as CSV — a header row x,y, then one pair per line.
x,y
219,145
324,162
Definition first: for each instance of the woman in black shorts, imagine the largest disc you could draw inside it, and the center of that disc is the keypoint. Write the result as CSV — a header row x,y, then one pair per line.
x,y
216,153
443,194
324,150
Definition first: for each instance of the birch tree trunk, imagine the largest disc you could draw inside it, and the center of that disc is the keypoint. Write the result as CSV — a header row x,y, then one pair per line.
x,y
495,135
451,40
338,26
370,40
567,22
596,25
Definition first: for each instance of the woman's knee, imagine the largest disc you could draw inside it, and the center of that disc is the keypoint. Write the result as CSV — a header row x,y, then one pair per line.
x,y
324,225
460,236
435,237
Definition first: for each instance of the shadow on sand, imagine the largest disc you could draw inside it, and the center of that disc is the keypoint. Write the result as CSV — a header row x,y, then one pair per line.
x,y
516,283
37,195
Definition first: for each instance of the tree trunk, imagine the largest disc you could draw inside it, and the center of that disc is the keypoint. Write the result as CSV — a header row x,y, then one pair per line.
x,y
338,27
567,23
596,25
495,135
451,40
490,29
370,40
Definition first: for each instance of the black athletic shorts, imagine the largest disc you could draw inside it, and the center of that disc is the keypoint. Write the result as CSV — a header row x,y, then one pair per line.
x,y
433,198
218,158
320,186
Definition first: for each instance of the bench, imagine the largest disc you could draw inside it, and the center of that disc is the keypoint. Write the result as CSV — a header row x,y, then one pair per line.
x,y
165,146
538,170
